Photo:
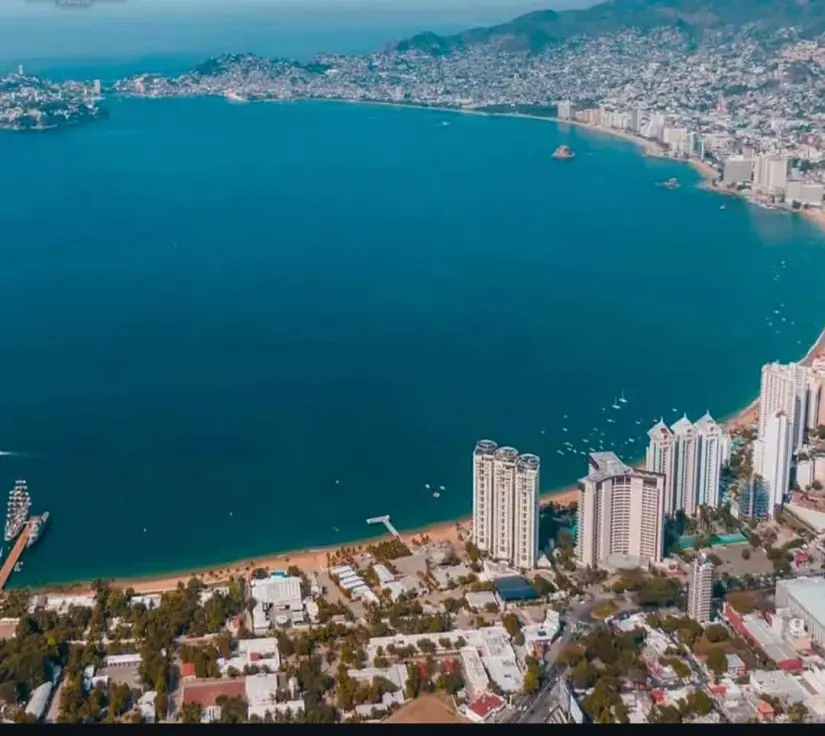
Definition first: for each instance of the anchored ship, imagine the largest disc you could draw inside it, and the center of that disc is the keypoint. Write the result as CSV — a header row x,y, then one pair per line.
x,y
37,526
17,510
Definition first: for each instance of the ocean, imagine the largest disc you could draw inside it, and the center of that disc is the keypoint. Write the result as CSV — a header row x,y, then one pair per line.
x,y
238,329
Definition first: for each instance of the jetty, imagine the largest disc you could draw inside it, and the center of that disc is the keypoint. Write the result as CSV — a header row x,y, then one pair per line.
x,y
15,554
385,520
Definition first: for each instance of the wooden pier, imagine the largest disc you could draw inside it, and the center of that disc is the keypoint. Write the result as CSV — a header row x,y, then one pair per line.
x,y
385,520
15,554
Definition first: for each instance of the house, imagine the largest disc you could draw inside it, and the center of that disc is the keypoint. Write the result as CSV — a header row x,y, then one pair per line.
x,y
479,601
736,666
483,708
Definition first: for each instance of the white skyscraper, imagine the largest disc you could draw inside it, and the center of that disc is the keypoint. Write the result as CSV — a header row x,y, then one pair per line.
x,y
793,389
483,471
772,453
659,459
527,512
685,466
714,447
506,503
700,590
770,174
620,513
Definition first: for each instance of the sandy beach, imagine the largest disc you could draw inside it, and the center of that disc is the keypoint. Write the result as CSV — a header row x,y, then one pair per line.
x,y
317,559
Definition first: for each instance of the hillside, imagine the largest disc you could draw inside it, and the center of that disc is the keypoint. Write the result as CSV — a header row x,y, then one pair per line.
x,y
544,28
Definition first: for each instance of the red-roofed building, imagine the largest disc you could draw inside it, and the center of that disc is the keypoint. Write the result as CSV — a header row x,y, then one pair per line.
x,y
206,692
482,708
658,696
764,711
718,690
187,670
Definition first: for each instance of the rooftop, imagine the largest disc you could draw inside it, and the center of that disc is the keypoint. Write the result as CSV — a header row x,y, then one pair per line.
x,y
514,588
809,593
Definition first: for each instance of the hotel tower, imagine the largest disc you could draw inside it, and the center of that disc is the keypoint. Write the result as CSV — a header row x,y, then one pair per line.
x,y
690,457
795,390
620,513
506,504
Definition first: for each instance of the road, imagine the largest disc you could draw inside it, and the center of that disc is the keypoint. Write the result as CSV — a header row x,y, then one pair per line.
x,y
539,705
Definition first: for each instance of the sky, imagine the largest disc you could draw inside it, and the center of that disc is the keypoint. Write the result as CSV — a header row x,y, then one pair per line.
x,y
44,29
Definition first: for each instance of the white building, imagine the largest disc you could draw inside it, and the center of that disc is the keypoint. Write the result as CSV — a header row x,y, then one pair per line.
x,y
804,193
659,459
565,110
475,676
772,452
805,598
770,174
794,389
620,513
714,446
700,590
506,504
737,170
685,466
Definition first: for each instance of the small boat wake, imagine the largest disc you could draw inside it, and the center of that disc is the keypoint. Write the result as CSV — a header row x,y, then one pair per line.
x,y
12,453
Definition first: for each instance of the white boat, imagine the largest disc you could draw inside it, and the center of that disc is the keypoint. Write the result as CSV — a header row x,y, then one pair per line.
x,y
561,452
616,404
564,429
436,494
17,511
622,399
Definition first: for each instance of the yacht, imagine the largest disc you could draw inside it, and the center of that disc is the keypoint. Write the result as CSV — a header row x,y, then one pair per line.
x,y
17,510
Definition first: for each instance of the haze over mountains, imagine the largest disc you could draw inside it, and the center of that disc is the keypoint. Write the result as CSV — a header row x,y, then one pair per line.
x,y
540,29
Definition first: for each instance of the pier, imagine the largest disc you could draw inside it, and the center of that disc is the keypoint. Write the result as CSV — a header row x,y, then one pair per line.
x,y
15,554
385,520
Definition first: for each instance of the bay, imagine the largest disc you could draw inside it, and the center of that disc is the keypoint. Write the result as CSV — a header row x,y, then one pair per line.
x,y
233,329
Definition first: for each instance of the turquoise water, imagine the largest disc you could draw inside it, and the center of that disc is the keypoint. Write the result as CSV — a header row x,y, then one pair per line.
x,y
239,329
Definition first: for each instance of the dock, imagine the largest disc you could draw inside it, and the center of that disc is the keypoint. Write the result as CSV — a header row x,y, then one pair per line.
x,y
385,520
14,555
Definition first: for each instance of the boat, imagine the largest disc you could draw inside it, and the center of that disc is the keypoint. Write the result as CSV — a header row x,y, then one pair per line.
x,y
622,399
563,153
671,183
39,524
436,494
615,404
17,511
18,567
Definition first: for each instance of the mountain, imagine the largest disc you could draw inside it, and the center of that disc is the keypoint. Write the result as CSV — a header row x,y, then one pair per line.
x,y
543,28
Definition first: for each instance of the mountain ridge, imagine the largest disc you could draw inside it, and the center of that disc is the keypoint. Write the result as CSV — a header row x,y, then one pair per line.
x,y
544,28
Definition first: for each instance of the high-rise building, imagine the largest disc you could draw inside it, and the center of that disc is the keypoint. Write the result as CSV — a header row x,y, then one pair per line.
x,y
685,466
793,389
526,537
483,472
700,590
20,69
772,453
659,459
737,170
97,87
754,502
770,174
713,454
620,513
506,504
565,111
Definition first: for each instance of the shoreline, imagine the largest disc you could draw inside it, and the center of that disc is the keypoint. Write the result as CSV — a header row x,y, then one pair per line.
x,y
315,559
